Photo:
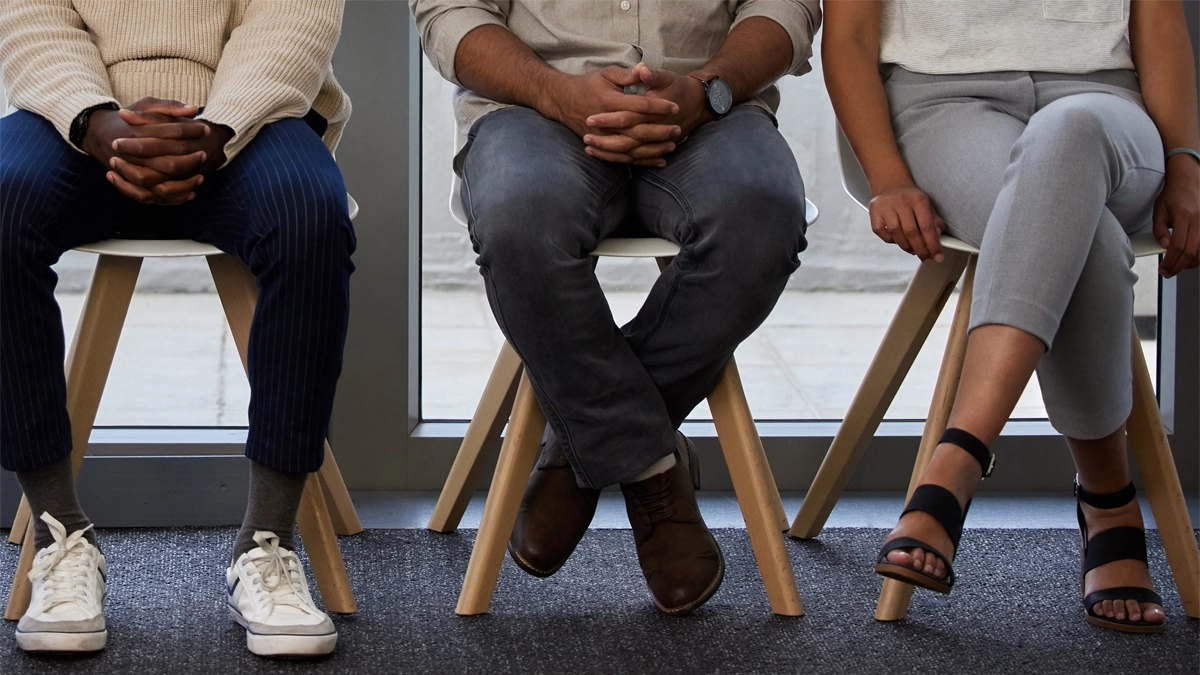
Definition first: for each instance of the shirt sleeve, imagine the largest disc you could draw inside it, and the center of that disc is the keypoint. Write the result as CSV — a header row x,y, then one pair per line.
x,y
800,18
273,66
442,24
48,62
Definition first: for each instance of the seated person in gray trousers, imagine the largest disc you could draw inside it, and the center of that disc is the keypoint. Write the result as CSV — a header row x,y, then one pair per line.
x,y
1039,139
586,118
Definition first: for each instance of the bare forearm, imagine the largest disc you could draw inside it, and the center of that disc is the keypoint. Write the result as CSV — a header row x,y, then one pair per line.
x,y
494,63
1162,52
851,50
755,54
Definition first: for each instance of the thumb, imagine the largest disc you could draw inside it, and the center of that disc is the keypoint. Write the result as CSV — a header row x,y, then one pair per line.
x,y
167,107
623,77
655,78
1161,234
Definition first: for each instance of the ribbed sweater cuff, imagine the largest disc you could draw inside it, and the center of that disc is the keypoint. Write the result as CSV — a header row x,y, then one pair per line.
x,y
63,111
244,126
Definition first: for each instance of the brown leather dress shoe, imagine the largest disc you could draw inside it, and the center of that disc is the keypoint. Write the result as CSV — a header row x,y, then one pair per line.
x,y
554,515
680,559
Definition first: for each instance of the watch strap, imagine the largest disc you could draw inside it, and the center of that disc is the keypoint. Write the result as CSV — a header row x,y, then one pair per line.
x,y
79,126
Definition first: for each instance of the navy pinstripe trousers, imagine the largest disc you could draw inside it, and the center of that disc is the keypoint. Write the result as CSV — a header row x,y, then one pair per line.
x,y
280,206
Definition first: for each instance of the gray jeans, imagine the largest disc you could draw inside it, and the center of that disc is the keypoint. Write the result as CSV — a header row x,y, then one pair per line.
x,y
1047,175
537,205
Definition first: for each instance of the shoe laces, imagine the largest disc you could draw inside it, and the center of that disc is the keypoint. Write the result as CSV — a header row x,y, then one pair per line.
x,y
276,576
657,502
65,567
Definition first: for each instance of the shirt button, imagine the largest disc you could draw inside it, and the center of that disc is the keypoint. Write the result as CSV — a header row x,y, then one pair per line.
x,y
625,5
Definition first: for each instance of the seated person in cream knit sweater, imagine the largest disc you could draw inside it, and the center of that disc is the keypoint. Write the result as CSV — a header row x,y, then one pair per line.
x,y
211,120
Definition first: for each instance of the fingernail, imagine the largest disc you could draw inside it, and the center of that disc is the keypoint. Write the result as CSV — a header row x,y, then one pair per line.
x,y
200,181
191,196
939,257
587,139
109,176
203,156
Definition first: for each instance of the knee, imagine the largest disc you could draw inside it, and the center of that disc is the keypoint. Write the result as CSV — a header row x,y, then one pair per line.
x,y
309,218
1067,123
758,225
24,196
527,219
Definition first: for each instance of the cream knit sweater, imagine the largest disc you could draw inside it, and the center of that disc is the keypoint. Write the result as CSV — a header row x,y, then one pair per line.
x,y
248,62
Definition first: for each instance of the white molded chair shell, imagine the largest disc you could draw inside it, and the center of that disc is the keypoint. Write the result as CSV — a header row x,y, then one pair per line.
x,y
854,181
613,247
166,248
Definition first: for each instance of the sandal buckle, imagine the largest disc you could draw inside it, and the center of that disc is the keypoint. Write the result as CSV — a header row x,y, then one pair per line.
x,y
991,465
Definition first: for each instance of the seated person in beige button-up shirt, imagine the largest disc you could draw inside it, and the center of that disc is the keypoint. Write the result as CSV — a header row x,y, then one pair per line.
x,y
584,119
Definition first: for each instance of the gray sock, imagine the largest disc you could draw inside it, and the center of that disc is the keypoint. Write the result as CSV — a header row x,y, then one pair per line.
x,y
51,489
274,500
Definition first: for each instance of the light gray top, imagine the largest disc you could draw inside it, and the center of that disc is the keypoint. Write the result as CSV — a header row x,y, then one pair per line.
x,y
979,36
578,36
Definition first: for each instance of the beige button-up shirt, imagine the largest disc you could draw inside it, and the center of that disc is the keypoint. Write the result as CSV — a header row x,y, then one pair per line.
x,y
578,36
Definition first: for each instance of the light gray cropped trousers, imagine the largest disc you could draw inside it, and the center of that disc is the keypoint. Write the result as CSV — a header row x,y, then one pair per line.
x,y
1047,175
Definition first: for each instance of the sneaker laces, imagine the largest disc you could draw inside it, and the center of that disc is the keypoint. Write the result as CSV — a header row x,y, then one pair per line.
x,y
278,578
65,566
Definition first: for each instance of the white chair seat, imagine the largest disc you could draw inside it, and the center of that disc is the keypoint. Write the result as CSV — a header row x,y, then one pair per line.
x,y
165,248
1143,244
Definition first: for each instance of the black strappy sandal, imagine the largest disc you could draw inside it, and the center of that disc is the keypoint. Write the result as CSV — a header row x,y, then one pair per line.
x,y
940,503
1115,543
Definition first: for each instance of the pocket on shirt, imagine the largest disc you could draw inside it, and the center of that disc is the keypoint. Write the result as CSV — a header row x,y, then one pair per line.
x,y
1085,11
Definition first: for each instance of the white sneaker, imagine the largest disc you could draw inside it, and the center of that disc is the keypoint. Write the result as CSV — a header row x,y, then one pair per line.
x,y
268,595
66,610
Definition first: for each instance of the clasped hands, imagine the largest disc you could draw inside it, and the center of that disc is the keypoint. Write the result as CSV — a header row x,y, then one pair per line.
x,y
154,150
627,128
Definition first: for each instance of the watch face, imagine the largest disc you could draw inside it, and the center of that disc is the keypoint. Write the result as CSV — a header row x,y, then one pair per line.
x,y
720,96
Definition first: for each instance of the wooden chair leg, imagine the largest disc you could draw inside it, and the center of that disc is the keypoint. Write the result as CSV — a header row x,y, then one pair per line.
x,y
895,595
919,309
320,542
483,436
88,363
238,291
22,588
1152,453
757,494
337,497
517,457
20,522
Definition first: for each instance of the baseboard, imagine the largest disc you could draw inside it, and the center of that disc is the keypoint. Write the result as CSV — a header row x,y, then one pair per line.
x,y
152,491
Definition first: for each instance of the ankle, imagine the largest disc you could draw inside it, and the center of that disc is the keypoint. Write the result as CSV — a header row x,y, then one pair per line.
x,y
955,470
664,464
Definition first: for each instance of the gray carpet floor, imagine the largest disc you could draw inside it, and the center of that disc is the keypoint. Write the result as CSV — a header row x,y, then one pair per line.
x,y
1016,609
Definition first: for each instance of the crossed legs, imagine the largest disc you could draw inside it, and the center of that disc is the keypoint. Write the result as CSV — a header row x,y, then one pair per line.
x,y
1054,294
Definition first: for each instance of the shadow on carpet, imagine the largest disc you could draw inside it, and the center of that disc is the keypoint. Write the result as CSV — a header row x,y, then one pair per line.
x,y
1016,609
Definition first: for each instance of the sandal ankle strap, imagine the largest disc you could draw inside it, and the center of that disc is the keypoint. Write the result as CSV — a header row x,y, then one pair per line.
x,y
975,447
1111,500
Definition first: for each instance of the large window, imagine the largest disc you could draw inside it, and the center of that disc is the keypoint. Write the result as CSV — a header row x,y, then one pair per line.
x,y
804,363
176,364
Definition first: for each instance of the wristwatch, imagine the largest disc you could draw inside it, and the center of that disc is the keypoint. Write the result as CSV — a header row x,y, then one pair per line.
x,y
79,126
718,97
